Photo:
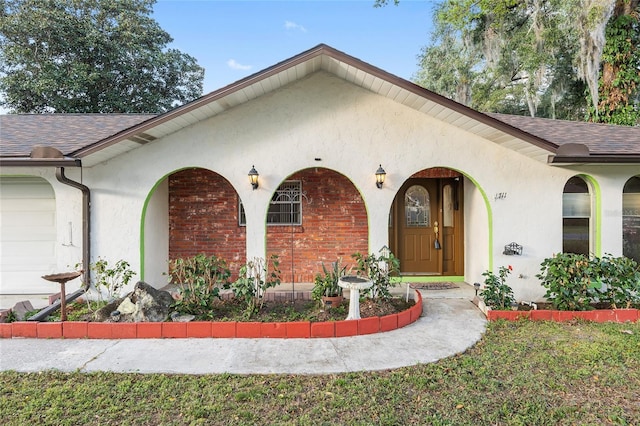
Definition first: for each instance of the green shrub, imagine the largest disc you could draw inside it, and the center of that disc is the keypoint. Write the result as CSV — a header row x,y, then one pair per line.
x,y
574,282
567,278
200,277
497,294
254,279
619,281
379,269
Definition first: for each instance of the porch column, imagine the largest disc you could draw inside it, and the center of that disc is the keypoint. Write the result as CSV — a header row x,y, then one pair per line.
x,y
378,205
255,205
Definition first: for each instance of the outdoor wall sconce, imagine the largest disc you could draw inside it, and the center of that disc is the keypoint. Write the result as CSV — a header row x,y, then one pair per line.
x,y
513,248
253,177
380,175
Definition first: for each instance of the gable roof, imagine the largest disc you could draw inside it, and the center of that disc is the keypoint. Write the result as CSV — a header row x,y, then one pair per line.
x,y
528,136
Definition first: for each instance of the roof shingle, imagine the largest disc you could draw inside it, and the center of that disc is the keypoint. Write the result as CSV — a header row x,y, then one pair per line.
x,y
19,133
602,139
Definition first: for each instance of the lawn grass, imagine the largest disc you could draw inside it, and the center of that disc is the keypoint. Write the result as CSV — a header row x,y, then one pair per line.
x,y
520,373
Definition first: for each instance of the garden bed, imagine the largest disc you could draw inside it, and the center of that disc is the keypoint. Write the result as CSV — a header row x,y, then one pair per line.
x,y
216,329
598,315
546,313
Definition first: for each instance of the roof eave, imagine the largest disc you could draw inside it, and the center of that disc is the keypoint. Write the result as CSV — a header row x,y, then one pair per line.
x,y
40,162
594,159
321,49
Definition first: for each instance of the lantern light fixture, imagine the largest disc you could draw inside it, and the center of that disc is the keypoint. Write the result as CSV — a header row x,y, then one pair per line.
x,y
380,175
253,177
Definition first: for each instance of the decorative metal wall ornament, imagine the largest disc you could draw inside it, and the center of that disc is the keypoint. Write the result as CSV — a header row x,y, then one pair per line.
x,y
513,248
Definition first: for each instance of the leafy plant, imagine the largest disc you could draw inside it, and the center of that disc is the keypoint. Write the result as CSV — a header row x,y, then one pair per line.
x,y
326,283
618,279
575,282
200,277
567,278
113,279
379,270
11,317
497,294
253,281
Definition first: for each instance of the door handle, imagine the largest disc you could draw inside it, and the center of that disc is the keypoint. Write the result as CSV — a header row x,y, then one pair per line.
x,y
436,242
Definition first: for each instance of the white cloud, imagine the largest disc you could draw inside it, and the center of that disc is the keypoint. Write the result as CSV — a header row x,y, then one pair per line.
x,y
293,26
231,63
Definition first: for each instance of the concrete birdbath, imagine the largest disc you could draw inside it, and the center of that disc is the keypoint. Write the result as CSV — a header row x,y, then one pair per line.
x,y
354,284
62,279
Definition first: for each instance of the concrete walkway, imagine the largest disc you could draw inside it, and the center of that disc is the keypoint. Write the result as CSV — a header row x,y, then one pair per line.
x,y
450,324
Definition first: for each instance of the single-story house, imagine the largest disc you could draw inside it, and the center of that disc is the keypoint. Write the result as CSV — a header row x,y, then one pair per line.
x,y
348,158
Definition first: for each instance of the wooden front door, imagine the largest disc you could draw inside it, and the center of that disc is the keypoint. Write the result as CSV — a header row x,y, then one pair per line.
x,y
426,227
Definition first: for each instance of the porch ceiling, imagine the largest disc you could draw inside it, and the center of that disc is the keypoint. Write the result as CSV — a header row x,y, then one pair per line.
x,y
321,58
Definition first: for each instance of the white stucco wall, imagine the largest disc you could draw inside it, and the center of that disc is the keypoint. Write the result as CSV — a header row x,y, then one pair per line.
x,y
352,131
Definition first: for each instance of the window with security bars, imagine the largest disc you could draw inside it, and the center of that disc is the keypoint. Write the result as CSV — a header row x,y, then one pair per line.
x,y
285,207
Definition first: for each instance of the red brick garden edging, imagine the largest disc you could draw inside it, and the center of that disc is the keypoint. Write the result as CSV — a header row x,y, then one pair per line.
x,y
598,315
204,329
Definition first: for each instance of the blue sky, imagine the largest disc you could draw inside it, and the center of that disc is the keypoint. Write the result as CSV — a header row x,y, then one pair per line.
x,y
234,39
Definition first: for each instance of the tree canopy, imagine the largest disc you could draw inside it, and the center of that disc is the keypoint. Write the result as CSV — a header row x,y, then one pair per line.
x,y
571,59
90,56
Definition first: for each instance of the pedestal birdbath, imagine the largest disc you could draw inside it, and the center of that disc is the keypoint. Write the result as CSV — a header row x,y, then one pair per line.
x,y
354,284
62,279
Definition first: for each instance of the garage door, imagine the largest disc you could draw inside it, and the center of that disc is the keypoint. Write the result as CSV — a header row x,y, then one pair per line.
x,y
27,235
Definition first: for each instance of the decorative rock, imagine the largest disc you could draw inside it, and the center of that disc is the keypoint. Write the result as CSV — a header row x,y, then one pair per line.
x,y
104,313
176,317
152,305
21,308
143,304
115,316
127,306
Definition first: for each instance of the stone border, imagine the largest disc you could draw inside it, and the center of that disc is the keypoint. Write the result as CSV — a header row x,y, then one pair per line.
x,y
210,329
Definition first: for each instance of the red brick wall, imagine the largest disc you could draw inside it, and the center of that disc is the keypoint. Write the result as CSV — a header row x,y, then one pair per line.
x,y
437,172
334,224
203,217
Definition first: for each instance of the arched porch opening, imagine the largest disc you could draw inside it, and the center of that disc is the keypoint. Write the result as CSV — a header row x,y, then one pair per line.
x,y
315,216
189,212
426,223
440,225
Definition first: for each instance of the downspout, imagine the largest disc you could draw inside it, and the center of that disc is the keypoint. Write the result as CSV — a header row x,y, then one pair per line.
x,y
86,217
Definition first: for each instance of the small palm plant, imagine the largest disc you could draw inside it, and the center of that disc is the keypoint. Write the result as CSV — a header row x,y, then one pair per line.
x,y
326,283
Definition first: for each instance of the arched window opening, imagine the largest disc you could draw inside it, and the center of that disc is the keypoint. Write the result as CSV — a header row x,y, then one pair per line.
x,y
576,217
631,219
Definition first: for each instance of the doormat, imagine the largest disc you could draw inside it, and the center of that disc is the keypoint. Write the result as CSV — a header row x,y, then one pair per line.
x,y
433,286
